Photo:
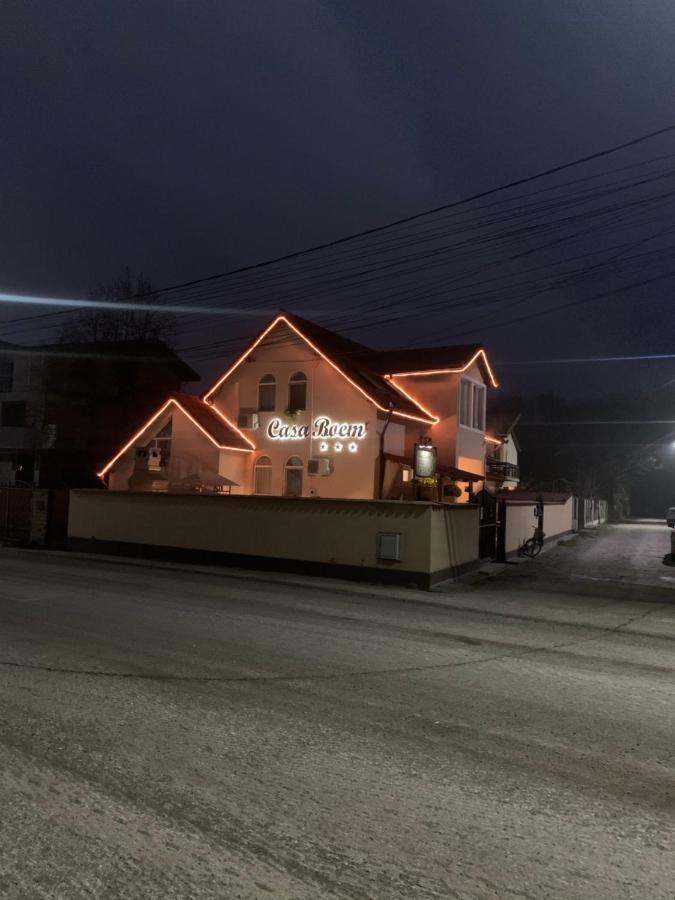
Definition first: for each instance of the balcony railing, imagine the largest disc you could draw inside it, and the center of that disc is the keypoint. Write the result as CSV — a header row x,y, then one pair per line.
x,y
499,469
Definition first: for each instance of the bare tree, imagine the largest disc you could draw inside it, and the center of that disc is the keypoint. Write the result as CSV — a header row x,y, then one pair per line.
x,y
125,324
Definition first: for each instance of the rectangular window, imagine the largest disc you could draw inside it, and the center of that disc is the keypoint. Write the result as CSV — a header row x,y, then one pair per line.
x,y
267,396
13,414
263,480
297,395
6,375
465,402
472,405
478,407
162,443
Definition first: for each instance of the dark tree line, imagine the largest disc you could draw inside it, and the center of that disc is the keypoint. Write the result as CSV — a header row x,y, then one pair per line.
x,y
567,445
140,317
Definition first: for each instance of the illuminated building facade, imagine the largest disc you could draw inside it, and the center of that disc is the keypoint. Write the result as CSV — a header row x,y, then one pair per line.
x,y
306,412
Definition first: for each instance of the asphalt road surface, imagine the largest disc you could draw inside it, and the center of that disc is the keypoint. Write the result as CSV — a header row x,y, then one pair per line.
x,y
170,733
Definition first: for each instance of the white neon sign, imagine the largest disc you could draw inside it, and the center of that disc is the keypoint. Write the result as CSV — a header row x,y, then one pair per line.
x,y
322,428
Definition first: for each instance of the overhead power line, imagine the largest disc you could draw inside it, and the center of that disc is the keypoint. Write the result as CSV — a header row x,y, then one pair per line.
x,y
452,205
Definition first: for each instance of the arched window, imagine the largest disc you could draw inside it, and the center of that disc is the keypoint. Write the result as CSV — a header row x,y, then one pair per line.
x,y
297,391
262,475
267,394
293,477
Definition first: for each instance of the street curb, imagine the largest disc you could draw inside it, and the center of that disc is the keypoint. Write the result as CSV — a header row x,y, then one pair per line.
x,y
233,574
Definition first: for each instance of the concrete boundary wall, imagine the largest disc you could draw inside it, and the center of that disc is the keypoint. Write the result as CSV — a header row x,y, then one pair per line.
x,y
337,538
559,519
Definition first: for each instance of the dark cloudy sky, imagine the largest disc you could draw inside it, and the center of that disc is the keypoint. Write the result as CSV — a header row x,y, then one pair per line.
x,y
187,138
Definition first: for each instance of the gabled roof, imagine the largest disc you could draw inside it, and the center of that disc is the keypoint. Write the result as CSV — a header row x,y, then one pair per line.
x,y
151,351
349,359
213,424
223,433
430,360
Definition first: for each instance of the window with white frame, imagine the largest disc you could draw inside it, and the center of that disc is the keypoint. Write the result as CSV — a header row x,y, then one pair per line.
x,y
262,477
465,402
162,443
472,404
267,394
478,407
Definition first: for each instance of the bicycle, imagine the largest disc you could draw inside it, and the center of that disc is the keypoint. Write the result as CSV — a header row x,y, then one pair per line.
x,y
532,546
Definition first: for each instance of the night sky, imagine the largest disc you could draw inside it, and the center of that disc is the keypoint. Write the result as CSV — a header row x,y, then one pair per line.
x,y
189,138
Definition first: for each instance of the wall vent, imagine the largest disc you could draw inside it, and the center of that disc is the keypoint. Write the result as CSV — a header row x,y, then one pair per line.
x,y
389,545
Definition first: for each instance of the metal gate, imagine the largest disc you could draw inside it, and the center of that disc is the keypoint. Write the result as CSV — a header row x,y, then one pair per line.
x,y
487,524
15,514
37,516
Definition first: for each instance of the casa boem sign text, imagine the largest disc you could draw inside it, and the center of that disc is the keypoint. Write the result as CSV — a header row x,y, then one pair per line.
x,y
321,428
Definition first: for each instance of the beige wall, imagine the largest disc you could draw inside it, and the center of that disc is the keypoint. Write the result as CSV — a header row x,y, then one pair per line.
x,y
521,522
438,394
457,446
191,453
434,539
453,536
328,394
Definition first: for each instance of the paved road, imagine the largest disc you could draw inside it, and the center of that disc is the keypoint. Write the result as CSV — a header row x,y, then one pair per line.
x,y
166,733
627,558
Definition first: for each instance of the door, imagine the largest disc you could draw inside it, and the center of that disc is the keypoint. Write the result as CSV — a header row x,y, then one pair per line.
x,y
293,477
487,524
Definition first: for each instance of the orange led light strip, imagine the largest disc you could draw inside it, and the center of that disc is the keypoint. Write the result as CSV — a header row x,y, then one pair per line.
x,y
478,353
430,421
401,390
232,426
154,418
492,440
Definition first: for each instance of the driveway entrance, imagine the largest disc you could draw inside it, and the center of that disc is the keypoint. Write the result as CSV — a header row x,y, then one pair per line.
x,y
627,557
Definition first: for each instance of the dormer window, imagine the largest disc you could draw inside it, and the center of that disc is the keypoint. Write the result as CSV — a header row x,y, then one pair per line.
x,y
162,443
267,394
297,391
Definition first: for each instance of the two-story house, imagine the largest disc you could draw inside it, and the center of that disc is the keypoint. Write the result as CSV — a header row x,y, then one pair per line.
x,y
303,411
63,405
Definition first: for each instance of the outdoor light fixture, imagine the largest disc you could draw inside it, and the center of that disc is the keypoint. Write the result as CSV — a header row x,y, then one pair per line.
x,y
425,459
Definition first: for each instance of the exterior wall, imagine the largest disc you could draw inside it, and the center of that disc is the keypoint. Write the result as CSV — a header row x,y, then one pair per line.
x,y
323,536
440,395
328,394
470,454
191,454
18,445
453,537
521,521
77,410
457,445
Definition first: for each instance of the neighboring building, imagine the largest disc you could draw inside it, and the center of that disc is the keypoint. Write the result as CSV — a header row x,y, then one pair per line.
x,y
62,405
502,471
306,412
